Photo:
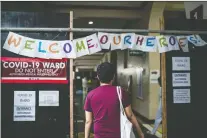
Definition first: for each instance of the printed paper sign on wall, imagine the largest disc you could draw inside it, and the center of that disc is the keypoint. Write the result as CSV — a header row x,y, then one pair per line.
x,y
154,75
181,96
181,63
48,98
24,106
181,79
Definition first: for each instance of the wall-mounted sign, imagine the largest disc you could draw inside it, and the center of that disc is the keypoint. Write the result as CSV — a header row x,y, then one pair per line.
x,y
48,98
154,75
33,70
181,79
197,13
181,63
24,106
49,49
181,96
196,10
136,53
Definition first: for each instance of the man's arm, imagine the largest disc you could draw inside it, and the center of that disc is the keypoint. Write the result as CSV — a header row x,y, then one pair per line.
x,y
88,123
133,120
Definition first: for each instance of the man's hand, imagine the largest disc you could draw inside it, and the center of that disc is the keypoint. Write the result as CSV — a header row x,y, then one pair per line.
x,y
130,115
88,123
125,89
141,135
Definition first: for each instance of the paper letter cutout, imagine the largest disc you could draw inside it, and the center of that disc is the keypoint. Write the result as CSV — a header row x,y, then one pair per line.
x,y
41,49
172,43
162,44
128,40
14,42
116,41
139,42
81,47
93,44
183,43
30,47
104,40
150,44
54,50
68,49
196,40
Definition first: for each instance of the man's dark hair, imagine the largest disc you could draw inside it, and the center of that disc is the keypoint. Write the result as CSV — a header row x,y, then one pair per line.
x,y
159,81
105,72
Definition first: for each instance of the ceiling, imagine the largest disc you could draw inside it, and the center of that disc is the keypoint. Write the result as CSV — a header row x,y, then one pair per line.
x,y
98,4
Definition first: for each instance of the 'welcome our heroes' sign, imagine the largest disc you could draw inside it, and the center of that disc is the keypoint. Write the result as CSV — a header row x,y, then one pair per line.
x,y
28,70
49,49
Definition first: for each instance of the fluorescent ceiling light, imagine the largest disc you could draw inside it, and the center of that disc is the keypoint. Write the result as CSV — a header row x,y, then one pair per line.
x,y
90,22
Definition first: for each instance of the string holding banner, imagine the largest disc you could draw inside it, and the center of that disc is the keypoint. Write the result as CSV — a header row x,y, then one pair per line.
x,y
49,49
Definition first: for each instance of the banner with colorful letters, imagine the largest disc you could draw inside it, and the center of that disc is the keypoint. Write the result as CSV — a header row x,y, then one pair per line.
x,y
48,49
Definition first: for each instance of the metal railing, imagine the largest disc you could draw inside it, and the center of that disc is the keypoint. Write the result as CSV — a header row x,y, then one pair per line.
x,y
19,29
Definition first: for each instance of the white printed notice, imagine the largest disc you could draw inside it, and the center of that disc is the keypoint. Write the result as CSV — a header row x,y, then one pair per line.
x,y
154,75
181,79
181,63
48,98
24,106
181,96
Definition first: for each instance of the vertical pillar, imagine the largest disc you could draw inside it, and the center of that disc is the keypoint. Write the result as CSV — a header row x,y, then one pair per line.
x,y
156,22
71,83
